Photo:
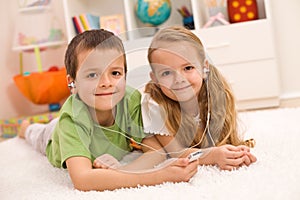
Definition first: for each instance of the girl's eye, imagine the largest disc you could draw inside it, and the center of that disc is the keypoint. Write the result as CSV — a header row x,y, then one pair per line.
x,y
166,73
92,75
188,68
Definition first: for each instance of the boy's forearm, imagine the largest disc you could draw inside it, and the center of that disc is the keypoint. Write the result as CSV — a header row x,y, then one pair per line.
x,y
107,179
85,178
147,161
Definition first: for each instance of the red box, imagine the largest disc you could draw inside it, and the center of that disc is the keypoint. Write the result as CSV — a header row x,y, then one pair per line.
x,y
242,10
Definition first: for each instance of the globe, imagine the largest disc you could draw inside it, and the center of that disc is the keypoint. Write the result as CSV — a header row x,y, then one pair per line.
x,y
153,12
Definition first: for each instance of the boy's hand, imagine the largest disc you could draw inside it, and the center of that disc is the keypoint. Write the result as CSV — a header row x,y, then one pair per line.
x,y
106,161
183,169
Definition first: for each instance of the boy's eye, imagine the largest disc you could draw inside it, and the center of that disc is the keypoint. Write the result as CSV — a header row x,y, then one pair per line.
x,y
92,75
116,73
188,68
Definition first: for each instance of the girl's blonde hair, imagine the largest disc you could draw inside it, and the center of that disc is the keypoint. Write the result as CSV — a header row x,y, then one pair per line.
x,y
223,115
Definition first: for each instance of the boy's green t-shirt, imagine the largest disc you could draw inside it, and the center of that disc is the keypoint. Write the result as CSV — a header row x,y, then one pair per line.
x,y
76,134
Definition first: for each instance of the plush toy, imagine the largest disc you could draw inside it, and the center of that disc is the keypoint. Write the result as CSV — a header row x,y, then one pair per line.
x,y
217,13
242,10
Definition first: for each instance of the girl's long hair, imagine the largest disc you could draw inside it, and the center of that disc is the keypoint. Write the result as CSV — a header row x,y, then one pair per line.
x,y
215,95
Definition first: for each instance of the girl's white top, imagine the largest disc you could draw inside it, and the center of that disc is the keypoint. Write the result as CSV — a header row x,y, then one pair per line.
x,y
154,116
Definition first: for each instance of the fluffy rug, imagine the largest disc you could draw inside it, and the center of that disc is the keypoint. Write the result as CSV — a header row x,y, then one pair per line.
x,y
25,174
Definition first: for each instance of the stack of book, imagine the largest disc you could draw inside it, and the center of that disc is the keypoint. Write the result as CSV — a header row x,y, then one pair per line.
x,y
85,22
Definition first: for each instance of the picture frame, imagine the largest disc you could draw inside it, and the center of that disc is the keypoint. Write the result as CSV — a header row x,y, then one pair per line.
x,y
115,24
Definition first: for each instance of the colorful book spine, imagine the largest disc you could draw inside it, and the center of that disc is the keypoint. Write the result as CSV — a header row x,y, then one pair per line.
x,y
93,21
77,24
84,22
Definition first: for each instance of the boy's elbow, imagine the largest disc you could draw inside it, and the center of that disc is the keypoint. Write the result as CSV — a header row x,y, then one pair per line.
x,y
79,184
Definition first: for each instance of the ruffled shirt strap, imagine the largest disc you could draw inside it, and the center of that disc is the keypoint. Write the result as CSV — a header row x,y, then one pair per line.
x,y
154,116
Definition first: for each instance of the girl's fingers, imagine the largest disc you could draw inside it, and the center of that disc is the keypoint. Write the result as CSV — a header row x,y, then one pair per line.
x,y
243,148
252,157
247,160
235,154
236,162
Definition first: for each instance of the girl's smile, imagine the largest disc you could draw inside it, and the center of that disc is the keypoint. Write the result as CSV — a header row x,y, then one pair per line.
x,y
177,72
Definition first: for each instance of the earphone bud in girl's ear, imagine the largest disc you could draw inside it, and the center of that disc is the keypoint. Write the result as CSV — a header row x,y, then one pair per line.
x,y
71,85
205,70
206,73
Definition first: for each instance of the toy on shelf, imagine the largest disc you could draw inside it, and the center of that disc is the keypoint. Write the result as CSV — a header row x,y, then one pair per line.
x,y
217,13
42,87
27,3
242,10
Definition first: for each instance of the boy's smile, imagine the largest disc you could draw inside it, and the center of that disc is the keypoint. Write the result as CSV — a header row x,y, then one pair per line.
x,y
100,81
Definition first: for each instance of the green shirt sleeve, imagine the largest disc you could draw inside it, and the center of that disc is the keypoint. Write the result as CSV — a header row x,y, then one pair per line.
x,y
135,115
70,137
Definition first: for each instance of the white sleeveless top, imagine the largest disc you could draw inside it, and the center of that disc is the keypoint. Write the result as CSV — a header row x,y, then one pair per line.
x,y
154,116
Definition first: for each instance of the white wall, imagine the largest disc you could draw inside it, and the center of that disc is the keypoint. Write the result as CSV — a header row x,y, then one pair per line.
x,y
286,17
12,103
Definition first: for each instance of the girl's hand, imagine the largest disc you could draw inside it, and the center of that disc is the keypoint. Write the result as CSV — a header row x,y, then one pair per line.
x,y
106,161
249,157
228,157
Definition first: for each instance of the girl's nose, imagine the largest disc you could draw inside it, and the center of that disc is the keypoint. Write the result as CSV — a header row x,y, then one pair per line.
x,y
179,78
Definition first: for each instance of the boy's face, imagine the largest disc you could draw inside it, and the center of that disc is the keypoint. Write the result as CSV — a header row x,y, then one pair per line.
x,y
100,79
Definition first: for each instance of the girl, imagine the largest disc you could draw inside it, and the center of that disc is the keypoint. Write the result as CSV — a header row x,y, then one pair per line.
x,y
188,105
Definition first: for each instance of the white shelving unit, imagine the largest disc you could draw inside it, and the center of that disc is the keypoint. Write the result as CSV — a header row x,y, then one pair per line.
x,y
35,37
244,52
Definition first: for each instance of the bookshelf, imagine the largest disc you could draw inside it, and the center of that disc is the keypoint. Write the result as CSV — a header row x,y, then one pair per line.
x,y
244,52
49,35
135,29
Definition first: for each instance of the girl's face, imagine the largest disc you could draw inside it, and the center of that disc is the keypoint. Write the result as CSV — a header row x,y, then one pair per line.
x,y
100,79
178,73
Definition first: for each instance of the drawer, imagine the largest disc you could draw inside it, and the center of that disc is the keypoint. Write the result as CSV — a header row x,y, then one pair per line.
x,y
252,80
238,42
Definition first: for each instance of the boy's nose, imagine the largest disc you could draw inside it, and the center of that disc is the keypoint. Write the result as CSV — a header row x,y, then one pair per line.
x,y
104,81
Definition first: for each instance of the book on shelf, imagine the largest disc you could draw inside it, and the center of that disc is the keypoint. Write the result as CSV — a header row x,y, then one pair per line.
x,y
85,21
114,23
93,21
77,25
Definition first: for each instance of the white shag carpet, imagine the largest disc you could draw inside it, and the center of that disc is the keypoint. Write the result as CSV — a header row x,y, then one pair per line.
x,y
25,174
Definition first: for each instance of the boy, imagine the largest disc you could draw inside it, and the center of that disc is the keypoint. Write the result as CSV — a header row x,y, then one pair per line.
x,y
96,119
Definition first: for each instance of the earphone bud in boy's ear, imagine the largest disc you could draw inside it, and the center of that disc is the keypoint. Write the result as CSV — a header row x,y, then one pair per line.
x,y
71,85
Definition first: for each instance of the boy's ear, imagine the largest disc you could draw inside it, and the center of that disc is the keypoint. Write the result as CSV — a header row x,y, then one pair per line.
x,y
71,85
69,79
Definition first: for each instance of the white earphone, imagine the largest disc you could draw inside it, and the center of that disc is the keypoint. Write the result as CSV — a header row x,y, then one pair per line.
x,y
205,70
71,85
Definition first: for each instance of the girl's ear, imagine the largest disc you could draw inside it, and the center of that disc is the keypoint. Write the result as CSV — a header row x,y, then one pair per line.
x,y
205,69
153,78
